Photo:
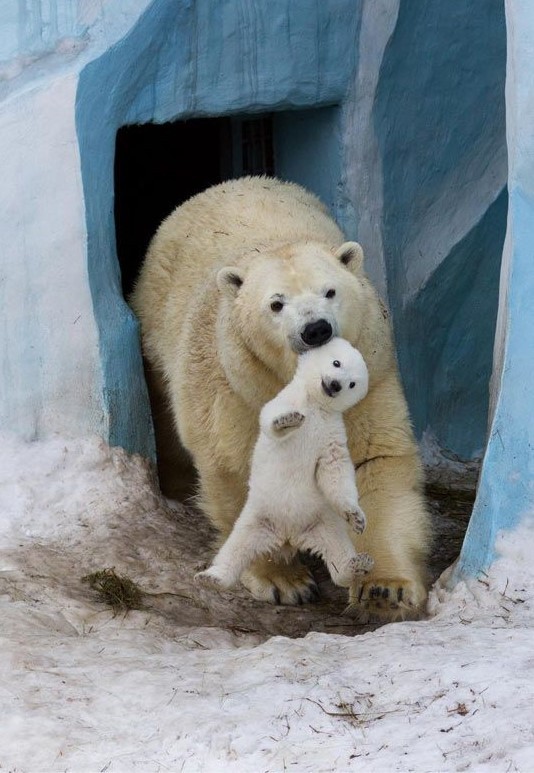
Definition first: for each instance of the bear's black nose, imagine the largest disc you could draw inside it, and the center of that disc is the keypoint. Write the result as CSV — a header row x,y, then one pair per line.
x,y
317,333
335,386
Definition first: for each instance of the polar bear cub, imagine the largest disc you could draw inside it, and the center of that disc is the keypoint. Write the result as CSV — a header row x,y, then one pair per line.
x,y
302,487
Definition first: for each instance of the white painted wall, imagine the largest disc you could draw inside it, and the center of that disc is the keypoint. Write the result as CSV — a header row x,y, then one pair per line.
x,y
50,375
45,44
47,314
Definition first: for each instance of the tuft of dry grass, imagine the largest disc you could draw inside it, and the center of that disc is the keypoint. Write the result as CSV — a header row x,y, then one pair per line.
x,y
117,591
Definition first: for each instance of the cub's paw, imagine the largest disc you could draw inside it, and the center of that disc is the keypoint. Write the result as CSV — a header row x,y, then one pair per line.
x,y
362,563
287,421
387,599
213,579
279,582
356,519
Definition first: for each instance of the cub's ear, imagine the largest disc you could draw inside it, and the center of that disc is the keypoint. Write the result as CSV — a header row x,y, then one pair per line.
x,y
229,280
350,254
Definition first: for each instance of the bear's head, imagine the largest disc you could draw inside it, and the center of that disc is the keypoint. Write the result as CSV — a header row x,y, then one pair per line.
x,y
335,375
286,301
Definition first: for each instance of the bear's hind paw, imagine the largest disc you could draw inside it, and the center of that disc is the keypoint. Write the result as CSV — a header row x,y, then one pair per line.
x,y
281,582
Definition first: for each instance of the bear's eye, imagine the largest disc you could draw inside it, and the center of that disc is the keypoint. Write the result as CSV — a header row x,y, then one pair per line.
x,y
277,306
330,293
336,364
352,384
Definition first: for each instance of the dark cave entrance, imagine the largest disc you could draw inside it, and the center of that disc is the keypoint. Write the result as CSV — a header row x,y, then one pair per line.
x,y
159,166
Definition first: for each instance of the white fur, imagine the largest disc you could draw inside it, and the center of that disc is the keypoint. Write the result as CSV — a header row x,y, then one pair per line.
x,y
302,486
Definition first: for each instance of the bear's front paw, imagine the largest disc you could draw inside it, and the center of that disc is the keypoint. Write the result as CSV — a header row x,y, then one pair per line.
x,y
287,421
387,599
356,518
212,578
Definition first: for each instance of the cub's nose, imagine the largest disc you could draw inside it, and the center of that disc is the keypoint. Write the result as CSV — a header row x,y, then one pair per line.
x,y
335,386
317,333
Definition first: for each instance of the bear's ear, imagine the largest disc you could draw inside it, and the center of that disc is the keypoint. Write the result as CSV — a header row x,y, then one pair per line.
x,y
350,254
229,280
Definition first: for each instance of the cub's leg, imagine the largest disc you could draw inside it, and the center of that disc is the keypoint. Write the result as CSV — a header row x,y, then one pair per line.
x,y
275,578
253,535
336,479
330,540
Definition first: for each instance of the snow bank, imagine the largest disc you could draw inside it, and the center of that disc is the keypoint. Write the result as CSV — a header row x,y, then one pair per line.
x,y
81,690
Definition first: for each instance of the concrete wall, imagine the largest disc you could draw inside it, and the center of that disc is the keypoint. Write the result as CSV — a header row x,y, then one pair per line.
x,y
406,145
506,491
427,138
50,360
182,60
73,73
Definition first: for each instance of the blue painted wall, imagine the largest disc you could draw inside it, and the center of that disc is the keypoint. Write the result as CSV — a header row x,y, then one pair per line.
x,y
308,148
185,59
505,496
440,125
32,28
439,122
506,491
446,336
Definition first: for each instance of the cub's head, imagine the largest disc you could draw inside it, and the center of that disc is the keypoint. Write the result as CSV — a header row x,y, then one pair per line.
x,y
296,298
335,375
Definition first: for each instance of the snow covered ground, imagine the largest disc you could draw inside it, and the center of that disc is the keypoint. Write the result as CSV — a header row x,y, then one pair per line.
x,y
157,690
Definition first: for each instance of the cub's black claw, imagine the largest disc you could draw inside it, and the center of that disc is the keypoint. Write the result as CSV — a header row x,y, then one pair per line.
x,y
276,596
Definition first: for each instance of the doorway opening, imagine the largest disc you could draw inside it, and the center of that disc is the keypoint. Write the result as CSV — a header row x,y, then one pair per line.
x,y
159,166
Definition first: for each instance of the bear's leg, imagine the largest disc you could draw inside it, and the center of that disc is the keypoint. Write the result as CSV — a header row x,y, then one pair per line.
x,y
274,579
329,539
221,496
397,536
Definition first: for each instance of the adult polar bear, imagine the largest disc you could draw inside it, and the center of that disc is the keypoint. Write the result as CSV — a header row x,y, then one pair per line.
x,y
237,281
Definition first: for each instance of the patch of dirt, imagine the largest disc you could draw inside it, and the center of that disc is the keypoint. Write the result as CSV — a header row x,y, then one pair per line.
x,y
450,498
160,547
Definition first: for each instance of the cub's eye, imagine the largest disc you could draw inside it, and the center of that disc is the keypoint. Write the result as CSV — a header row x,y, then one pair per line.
x,y
336,364
330,293
277,306
352,385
